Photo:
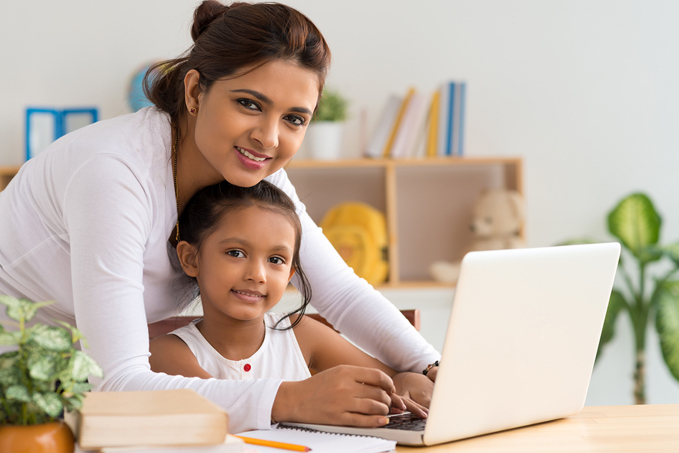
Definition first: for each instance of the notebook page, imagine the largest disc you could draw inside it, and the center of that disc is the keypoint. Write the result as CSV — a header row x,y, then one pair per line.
x,y
319,441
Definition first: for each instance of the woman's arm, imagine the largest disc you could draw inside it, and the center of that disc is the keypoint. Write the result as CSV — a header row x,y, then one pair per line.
x,y
352,305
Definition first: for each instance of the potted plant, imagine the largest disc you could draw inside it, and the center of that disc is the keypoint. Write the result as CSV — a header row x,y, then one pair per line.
x,y
44,376
324,135
636,223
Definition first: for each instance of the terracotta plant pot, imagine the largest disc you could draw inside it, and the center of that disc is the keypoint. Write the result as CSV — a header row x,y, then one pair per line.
x,y
53,437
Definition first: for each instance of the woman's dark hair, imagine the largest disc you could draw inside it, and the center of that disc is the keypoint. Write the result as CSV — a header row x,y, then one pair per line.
x,y
228,39
202,215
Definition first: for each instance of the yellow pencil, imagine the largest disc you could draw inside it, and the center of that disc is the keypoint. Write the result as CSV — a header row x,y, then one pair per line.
x,y
274,444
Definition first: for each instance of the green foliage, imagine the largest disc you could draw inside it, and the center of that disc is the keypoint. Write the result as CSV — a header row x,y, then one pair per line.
x,y
636,224
46,374
332,107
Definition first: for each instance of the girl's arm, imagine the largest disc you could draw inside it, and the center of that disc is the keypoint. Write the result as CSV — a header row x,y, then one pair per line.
x,y
323,349
170,355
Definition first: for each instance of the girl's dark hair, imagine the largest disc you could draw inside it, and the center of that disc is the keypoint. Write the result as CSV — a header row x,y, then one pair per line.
x,y
202,215
229,38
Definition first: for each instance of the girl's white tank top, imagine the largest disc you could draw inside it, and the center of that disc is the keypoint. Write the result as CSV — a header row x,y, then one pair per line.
x,y
279,356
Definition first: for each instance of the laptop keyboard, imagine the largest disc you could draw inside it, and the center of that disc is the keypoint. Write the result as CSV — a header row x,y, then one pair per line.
x,y
406,422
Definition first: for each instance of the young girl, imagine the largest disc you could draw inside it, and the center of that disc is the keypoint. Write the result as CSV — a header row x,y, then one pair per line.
x,y
241,245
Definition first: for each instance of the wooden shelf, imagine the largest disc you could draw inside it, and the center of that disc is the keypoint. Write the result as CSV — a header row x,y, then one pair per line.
x,y
427,202
7,173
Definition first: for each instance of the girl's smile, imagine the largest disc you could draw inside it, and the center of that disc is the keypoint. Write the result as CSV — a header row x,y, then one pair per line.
x,y
244,265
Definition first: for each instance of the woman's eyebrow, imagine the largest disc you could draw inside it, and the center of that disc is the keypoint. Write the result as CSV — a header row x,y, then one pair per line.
x,y
263,98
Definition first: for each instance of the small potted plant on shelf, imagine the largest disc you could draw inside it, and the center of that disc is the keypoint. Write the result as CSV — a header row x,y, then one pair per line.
x,y
324,136
39,380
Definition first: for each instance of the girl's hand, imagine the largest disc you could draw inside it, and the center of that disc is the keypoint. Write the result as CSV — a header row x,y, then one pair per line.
x,y
414,386
343,395
400,404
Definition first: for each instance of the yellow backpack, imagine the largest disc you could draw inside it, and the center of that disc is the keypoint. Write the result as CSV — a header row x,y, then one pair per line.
x,y
359,234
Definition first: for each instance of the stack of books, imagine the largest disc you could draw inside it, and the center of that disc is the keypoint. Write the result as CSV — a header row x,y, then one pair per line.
x,y
421,125
161,421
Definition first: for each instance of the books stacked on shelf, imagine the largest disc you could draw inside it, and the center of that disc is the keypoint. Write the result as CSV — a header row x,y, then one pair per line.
x,y
418,125
157,421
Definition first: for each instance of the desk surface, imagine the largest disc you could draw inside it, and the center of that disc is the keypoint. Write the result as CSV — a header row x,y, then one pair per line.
x,y
649,428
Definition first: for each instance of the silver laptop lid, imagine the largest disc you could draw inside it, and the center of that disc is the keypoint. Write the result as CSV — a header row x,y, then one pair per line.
x,y
522,338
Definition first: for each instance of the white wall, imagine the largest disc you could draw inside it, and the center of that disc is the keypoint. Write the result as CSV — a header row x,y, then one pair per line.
x,y
584,91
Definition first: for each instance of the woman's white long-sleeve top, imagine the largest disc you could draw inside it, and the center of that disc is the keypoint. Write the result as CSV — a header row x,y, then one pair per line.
x,y
86,223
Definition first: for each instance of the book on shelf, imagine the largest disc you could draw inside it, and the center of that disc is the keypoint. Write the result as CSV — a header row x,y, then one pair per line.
x,y
420,125
385,123
433,124
322,441
450,138
386,152
159,418
411,126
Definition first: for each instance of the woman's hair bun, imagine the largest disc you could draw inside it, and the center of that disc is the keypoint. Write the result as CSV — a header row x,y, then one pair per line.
x,y
203,16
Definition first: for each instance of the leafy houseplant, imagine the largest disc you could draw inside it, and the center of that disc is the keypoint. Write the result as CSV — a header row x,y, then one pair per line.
x,y
636,223
46,374
324,135
332,107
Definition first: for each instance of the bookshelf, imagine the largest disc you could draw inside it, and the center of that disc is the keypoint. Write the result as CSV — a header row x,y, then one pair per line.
x,y
6,175
428,202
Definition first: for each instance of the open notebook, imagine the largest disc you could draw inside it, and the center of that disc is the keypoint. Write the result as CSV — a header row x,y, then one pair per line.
x,y
320,442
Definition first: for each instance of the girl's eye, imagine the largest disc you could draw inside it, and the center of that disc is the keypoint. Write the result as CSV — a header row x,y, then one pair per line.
x,y
295,120
236,253
249,104
276,260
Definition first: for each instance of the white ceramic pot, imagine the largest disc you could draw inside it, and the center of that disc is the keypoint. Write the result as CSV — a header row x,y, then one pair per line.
x,y
324,140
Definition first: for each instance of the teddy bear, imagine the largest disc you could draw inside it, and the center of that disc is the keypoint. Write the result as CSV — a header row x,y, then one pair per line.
x,y
497,220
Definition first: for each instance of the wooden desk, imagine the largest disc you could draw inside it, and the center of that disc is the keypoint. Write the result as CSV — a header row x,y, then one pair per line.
x,y
619,429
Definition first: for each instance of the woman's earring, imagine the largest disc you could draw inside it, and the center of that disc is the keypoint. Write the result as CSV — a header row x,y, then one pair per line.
x,y
193,110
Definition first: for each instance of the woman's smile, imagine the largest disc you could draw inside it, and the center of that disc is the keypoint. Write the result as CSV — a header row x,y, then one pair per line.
x,y
250,160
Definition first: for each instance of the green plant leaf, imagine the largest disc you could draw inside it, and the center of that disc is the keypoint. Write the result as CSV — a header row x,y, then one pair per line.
x,y
8,359
10,338
672,252
18,392
637,224
21,309
667,324
9,376
332,107
83,366
49,402
52,338
615,304
44,368
75,332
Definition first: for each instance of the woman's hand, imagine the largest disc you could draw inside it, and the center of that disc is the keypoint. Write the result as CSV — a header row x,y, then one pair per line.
x,y
343,395
414,386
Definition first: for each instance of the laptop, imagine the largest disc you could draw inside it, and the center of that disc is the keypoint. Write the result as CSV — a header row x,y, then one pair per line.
x,y
520,346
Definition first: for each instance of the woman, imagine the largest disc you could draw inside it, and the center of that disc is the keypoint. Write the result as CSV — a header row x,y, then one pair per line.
x,y
92,221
